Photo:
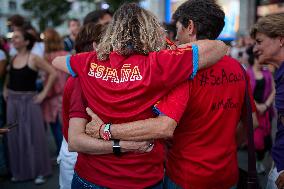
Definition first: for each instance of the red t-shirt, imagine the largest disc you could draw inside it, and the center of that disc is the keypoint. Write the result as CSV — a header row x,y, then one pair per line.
x,y
203,153
74,104
124,89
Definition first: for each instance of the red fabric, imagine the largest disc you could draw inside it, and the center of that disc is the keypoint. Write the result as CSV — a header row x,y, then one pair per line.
x,y
73,104
174,103
125,89
203,154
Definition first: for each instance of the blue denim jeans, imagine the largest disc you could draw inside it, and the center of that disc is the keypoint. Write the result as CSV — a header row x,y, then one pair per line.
x,y
56,129
169,184
79,183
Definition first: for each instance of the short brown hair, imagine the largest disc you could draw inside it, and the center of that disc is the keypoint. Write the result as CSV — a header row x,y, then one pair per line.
x,y
16,20
87,35
52,41
271,25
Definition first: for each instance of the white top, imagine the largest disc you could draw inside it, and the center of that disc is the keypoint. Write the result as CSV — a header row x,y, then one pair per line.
x,y
38,49
2,55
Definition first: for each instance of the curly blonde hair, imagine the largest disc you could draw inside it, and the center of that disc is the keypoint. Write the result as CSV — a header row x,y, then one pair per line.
x,y
133,30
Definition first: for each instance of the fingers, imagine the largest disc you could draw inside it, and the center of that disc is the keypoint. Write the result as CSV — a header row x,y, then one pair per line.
x,y
92,114
146,146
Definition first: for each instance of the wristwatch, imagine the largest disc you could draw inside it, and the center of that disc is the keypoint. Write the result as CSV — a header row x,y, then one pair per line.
x,y
116,147
106,133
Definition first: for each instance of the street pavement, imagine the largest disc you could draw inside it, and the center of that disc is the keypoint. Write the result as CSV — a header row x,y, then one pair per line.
x,y
52,181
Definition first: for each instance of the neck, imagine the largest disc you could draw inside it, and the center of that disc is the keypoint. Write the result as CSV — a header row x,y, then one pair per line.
x,y
279,58
22,51
72,36
256,67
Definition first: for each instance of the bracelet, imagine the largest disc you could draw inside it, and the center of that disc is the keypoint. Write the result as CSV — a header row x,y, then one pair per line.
x,y
100,130
107,134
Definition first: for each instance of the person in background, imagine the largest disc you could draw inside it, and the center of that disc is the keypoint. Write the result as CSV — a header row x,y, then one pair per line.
x,y
98,17
38,48
86,41
268,34
263,88
15,22
74,27
3,151
52,104
27,147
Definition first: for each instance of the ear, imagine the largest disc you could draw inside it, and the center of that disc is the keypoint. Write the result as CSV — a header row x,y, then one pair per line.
x,y
281,41
190,27
27,42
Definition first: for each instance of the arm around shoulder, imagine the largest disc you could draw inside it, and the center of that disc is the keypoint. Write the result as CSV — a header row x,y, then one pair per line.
x,y
210,52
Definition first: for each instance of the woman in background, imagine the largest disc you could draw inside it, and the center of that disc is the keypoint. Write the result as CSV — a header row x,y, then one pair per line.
x,y
262,84
27,147
52,104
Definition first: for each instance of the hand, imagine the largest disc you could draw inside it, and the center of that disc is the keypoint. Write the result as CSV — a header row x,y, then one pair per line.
x,y
280,181
5,93
261,108
93,127
133,146
3,131
39,98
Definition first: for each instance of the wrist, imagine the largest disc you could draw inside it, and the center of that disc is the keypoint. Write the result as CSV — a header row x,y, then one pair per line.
x,y
266,105
106,132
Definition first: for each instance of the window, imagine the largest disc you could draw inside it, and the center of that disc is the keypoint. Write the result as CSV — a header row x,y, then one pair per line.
x,y
12,5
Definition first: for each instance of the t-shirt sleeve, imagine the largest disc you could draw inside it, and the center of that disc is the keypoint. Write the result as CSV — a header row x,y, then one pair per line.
x,y
76,63
174,103
78,103
175,66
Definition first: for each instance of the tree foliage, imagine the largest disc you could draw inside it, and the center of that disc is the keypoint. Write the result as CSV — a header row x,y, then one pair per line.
x,y
48,12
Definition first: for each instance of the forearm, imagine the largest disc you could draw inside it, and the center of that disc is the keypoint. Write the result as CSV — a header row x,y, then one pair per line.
x,y
152,128
85,144
270,99
60,63
6,81
79,141
210,52
50,81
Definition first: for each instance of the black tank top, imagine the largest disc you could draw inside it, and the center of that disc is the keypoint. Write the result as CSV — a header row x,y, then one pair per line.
x,y
259,90
23,79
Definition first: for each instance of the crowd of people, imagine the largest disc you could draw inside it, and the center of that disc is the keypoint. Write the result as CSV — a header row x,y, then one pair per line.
x,y
146,105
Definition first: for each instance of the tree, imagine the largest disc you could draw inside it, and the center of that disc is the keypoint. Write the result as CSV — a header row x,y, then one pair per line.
x,y
114,4
48,12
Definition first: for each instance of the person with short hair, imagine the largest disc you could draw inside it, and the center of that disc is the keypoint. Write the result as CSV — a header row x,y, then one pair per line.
x,y
268,33
98,17
74,27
